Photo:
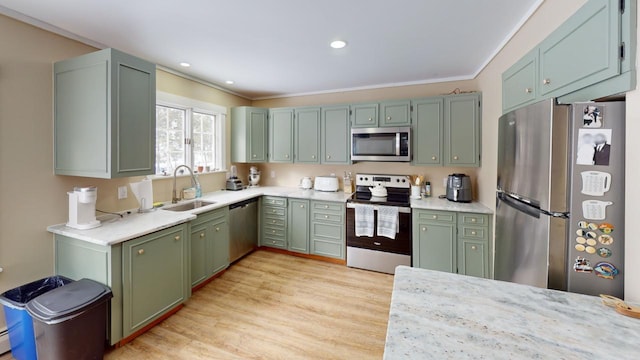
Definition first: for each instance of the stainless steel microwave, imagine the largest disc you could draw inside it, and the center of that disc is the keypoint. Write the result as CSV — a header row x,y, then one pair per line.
x,y
381,144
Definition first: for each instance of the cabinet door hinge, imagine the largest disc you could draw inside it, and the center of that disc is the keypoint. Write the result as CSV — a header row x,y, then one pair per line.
x,y
350,112
622,6
411,108
622,51
187,141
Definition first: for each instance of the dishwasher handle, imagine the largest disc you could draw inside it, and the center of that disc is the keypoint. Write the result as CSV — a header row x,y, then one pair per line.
x,y
243,204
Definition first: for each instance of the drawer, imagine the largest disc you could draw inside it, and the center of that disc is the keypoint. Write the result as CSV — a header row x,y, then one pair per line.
x,y
273,211
474,232
328,207
274,201
214,215
274,221
327,232
273,242
473,219
325,217
435,216
273,231
323,248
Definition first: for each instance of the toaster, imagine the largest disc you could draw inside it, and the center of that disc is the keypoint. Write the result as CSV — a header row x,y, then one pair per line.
x,y
326,183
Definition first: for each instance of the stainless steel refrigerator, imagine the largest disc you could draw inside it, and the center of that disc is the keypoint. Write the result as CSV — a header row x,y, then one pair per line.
x,y
560,197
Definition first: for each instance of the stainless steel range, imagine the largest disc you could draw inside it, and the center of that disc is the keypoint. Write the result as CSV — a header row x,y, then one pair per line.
x,y
379,253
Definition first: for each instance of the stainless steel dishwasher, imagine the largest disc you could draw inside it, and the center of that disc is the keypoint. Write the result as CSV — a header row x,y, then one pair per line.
x,y
243,228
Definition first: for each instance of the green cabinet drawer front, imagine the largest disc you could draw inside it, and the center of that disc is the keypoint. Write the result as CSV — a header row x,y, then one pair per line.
x,y
298,229
473,219
274,232
327,232
435,246
274,201
274,222
583,50
428,130
365,115
328,218
281,135
473,232
307,136
395,113
219,247
474,259
326,207
155,273
435,216
198,254
335,135
330,249
462,130
274,212
519,82
274,242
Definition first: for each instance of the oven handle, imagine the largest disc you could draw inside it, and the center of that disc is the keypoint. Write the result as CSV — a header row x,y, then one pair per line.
x,y
401,209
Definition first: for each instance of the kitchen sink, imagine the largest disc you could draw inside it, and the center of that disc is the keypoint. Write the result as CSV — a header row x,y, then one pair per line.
x,y
189,206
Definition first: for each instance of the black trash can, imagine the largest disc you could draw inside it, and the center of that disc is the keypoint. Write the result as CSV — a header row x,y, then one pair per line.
x,y
19,323
71,322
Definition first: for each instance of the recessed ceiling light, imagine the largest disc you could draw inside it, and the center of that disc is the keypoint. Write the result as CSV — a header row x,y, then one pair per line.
x,y
185,64
338,44
229,82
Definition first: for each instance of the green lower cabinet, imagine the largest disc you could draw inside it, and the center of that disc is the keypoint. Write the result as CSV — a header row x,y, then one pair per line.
x,y
472,258
155,276
298,229
452,242
327,230
273,222
209,244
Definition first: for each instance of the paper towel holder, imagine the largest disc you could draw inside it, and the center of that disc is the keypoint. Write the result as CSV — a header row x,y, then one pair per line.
x,y
142,209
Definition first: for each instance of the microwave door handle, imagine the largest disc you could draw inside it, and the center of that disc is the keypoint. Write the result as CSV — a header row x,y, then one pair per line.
x,y
397,143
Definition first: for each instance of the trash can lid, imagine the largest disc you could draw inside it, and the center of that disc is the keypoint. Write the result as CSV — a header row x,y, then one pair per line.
x,y
18,298
68,301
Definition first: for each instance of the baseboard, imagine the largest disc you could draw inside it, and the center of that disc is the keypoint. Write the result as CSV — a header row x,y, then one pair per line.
x,y
4,341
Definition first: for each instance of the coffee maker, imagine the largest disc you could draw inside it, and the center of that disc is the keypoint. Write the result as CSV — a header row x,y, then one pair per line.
x,y
82,208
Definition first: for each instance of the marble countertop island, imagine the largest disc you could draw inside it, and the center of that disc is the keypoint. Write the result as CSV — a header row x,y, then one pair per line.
x,y
437,315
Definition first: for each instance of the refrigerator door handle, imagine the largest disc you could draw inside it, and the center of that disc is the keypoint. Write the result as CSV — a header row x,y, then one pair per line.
x,y
527,206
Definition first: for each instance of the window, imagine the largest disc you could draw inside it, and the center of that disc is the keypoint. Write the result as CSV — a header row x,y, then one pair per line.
x,y
188,132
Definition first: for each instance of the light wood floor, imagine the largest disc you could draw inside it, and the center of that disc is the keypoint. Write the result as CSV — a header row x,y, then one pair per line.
x,y
275,306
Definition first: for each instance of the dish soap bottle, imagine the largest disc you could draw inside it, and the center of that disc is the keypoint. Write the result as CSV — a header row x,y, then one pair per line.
x,y
427,189
198,187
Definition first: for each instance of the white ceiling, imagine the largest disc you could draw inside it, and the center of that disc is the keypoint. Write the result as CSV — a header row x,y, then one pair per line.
x,y
281,47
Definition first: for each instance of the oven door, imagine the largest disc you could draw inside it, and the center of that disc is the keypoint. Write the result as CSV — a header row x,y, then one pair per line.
x,y
400,245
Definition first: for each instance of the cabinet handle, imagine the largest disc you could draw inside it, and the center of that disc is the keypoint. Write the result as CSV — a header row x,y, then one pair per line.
x,y
424,228
328,156
326,206
217,229
370,119
273,231
274,211
473,219
177,237
274,221
473,233
546,81
286,156
435,216
301,206
433,158
388,117
313,156
473,247
255,156
376,243
273,242
141,251
528,90
326,216
201,235
455,158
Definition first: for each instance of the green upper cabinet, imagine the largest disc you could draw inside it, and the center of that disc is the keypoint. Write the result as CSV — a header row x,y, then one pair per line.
x,y
335,135
395,113
281,135
520,82
298,229
104,115
365,115
307,135
462,130
249,132
428,130
582,51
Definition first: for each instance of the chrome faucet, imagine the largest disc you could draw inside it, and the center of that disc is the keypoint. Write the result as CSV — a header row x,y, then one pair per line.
x,y
175,198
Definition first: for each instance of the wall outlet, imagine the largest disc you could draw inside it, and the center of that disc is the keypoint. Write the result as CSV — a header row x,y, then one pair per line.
x,y
273,174
122,192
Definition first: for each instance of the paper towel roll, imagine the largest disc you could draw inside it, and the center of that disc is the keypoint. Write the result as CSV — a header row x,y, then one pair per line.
x,y
143,190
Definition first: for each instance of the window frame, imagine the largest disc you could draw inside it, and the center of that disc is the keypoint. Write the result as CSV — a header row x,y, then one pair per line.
x,y
190,106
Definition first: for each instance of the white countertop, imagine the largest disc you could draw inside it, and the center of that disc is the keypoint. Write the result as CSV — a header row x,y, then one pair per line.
x,y
438,315
115,229
434,203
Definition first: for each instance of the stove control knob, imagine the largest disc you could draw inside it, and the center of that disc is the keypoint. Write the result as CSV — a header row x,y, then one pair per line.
x,y
404,180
